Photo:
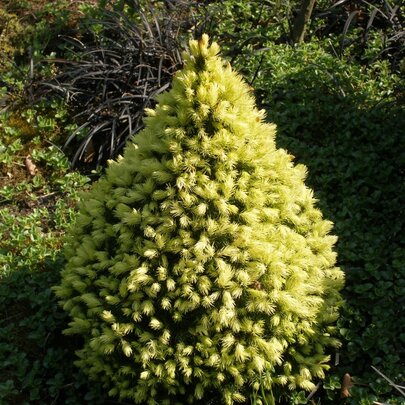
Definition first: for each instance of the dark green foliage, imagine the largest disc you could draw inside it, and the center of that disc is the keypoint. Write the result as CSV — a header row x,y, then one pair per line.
x,y
363,31
36,360
243,27
347,126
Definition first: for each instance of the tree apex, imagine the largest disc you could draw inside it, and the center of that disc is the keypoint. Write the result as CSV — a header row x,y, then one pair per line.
x,y
202,47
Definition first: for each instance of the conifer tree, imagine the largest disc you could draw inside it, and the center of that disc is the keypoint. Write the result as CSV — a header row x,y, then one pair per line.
x,y
199,262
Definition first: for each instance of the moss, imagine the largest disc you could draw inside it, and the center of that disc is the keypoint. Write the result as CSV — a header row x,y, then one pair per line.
x,y
200,262
11,39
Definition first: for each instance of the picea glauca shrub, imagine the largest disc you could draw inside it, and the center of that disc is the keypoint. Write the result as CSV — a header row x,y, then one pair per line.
x,y
199,262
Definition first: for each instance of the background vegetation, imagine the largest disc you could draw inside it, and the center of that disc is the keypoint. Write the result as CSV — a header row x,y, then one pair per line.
x,y
338,102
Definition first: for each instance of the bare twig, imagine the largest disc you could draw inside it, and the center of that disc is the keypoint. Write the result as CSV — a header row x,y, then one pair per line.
x,y
397,387
313,392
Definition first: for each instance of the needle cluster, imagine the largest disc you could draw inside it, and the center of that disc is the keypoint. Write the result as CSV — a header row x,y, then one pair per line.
x,y
199,262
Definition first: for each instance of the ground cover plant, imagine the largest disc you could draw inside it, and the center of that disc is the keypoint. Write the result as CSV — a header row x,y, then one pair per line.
x,y
38,193
37,198
199,262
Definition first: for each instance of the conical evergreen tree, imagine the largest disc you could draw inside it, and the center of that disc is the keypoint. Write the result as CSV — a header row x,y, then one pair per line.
x,y
199,261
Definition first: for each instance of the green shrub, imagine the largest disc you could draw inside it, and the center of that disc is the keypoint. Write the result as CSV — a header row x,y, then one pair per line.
x,y
246,26
199,264
346,124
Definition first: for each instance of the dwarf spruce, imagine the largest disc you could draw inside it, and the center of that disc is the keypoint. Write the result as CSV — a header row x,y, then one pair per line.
x,y
199,263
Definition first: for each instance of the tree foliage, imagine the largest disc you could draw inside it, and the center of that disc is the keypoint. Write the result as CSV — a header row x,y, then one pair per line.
x,y
199,262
